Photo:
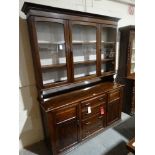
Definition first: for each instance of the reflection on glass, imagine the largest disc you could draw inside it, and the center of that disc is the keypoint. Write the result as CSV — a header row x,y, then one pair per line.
x,y
54,75
107,67
84,50
108,39
132,70
82,70
51,50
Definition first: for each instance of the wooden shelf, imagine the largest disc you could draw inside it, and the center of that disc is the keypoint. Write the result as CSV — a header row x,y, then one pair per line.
x,y
108,73
84,42
48,42
53,66
109,59
85,62
107,42
91,42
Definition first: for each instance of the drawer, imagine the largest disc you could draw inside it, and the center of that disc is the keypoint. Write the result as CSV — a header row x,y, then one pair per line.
x,y
65,114
95,109
92,124
93,101
114,95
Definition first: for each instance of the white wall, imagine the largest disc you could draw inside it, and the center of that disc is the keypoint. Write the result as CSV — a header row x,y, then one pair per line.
x,y
30,127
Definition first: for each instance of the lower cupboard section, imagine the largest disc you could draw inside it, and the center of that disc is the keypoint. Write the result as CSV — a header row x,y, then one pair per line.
x,y
70,124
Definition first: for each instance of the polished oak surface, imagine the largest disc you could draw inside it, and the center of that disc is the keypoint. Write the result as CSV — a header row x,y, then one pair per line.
x,y
79,114
76,96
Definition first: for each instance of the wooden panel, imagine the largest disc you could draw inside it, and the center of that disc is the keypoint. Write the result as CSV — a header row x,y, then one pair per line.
x,y
71,17
114,95
65,115
113,112
66,127
76,96
92,101
67,135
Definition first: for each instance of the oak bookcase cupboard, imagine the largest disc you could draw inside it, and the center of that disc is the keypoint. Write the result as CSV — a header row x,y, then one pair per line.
x,y
126,69
74,61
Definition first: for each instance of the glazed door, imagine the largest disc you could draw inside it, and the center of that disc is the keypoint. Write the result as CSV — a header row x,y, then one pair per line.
x,y
52,43
108,49
67,127
83,49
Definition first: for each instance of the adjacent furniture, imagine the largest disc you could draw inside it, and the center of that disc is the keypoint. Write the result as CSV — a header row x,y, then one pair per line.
x,y
131,145
74,62
126,69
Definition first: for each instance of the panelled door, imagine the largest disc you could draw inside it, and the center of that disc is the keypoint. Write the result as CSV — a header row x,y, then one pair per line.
x,y
66,127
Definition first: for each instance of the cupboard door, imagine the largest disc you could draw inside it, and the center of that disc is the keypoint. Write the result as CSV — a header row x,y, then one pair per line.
x,y
108,49
113,113
67,128
83,42
52,43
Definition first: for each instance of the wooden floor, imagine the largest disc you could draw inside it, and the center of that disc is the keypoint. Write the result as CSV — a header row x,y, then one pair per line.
x,y
110,142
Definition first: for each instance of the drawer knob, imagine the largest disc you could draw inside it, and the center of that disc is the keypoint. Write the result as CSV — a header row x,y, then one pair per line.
x,y
87,123
87,132
100,126
99,117
87,104
100,99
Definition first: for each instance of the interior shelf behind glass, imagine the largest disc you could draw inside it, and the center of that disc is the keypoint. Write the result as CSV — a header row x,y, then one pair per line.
x,y
54,75
84,50
51,43
107,67
108,42
83,70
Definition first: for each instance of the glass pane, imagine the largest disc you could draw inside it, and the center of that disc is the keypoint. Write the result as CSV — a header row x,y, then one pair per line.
x,y
52,51
82,70
132,70
108,34
107,67
54,75
84,50
108,42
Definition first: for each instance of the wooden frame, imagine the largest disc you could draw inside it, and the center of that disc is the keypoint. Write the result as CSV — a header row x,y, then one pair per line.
x,y
69,51
71,23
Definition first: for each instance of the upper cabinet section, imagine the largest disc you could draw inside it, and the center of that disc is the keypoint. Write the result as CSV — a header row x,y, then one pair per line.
x,y
70,46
